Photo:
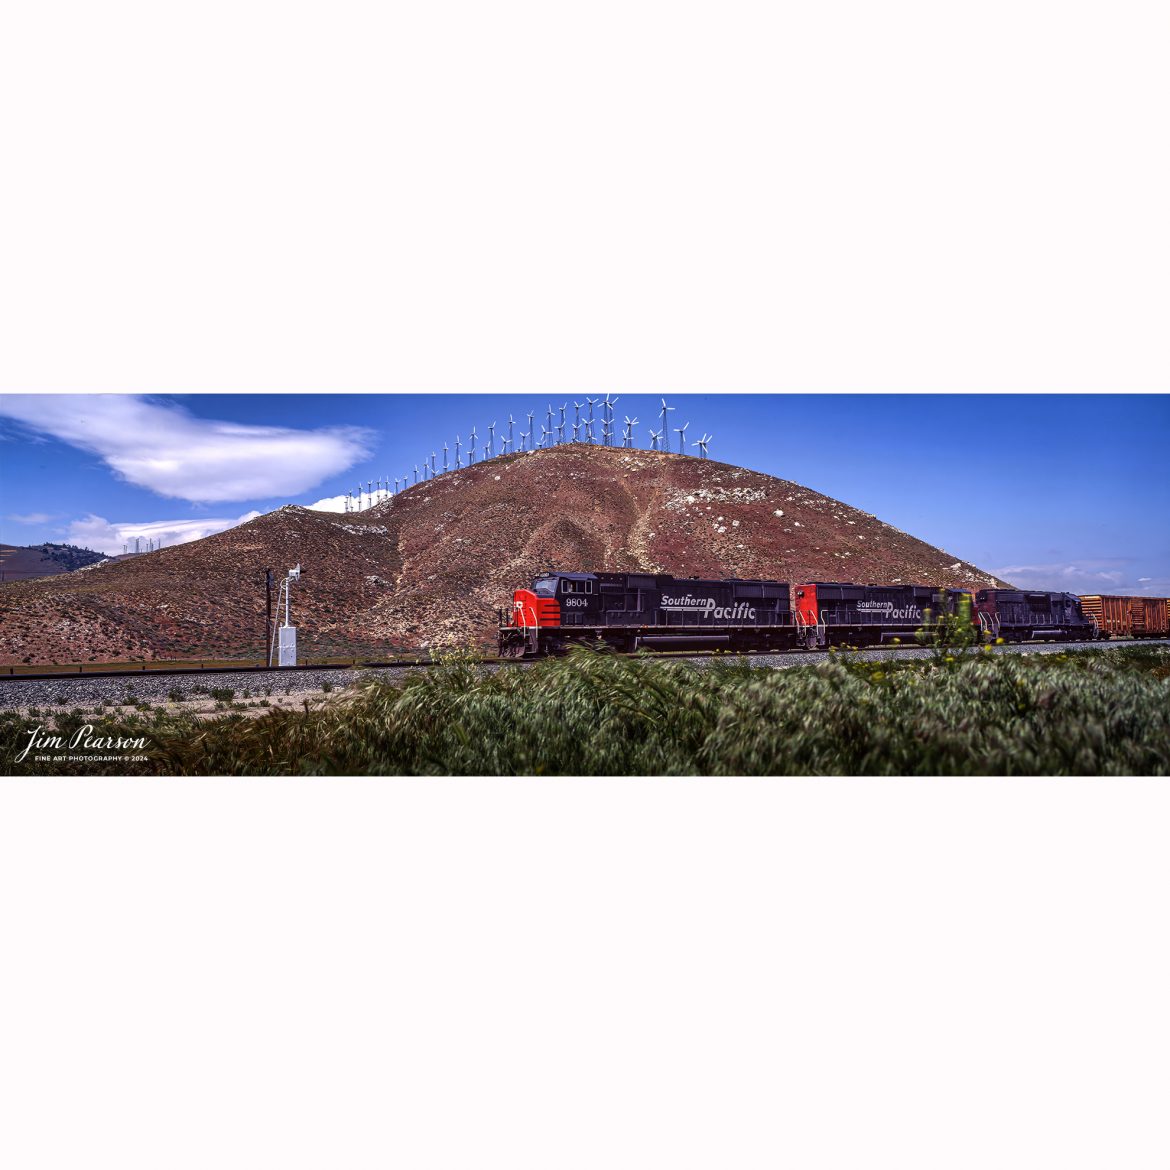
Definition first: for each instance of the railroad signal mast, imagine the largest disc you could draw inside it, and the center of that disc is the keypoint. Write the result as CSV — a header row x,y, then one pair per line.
x,y
288,632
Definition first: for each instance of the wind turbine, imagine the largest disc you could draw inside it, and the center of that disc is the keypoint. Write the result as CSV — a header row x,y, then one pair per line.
x,y
444,456
545,433
511,420
607,408
524,435
665,408
576,419
561,425
681,432
654,437
471,447
703,444
589,421
628,437
458,461
491,443
396,485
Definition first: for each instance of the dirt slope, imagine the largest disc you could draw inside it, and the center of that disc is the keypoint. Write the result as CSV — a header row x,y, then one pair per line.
x,y
22,562
432,565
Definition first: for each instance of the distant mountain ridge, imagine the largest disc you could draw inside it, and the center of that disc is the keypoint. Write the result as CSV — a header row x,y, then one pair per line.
x,y
432,565
21,562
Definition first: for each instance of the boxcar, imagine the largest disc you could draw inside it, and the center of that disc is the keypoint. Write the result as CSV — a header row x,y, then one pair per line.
x,y
1129,617
1018,615
1111,614
655,610
845,614
1149,616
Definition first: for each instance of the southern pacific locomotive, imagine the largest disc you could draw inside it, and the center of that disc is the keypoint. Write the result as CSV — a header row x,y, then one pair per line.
x,y
655,610
628,611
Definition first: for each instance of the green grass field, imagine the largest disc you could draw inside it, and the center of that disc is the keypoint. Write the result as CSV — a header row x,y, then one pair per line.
x,y
1077,713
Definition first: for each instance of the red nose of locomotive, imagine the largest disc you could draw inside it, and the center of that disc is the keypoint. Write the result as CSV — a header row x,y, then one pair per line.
x,y
530,610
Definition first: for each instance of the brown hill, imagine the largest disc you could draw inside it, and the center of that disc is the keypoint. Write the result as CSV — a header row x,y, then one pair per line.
x,y
23,562
432,565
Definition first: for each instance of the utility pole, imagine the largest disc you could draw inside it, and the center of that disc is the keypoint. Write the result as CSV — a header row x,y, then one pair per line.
x,y
268,625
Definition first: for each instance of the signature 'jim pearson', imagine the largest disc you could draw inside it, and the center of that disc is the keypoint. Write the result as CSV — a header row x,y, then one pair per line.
x,y
83,737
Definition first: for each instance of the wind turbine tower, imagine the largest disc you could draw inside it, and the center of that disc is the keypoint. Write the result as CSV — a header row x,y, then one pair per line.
x,y
491,443
681,432
665,408
607,407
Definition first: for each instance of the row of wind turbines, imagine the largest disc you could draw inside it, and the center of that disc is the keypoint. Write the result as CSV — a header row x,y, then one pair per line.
x,y
551,435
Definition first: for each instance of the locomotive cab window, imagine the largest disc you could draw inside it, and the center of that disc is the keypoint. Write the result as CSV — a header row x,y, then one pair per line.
x,y
546,587
577,587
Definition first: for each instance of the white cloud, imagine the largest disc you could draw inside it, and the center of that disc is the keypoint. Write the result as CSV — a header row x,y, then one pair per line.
x,y
337,503
329,504
1104,575
1060,576
30,518
163,447
98,533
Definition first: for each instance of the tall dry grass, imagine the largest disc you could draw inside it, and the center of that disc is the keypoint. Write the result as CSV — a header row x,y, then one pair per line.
x,y
1091,712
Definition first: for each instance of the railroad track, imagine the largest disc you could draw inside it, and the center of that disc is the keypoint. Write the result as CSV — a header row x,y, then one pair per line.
x,y
135,676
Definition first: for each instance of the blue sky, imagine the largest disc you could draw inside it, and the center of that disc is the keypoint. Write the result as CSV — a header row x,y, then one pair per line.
x,y
1053,491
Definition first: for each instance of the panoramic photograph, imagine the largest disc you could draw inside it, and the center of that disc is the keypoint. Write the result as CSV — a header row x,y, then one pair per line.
x,y
633,584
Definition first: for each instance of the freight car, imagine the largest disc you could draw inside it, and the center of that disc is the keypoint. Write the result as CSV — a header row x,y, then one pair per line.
x,y
845,614
1129,617
1017,615
655,610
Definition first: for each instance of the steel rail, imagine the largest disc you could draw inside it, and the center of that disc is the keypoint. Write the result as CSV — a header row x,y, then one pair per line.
x,y
403,664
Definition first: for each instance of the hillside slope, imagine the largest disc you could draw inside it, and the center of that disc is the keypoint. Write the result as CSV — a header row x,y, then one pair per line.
x,y
432,565
23,562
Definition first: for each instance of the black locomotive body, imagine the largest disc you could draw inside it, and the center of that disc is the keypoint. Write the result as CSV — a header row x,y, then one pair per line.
x,y
654,610
1017,615
846,614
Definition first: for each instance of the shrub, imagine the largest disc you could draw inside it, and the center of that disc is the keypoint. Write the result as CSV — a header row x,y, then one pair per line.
x,y
1087,712
950,636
